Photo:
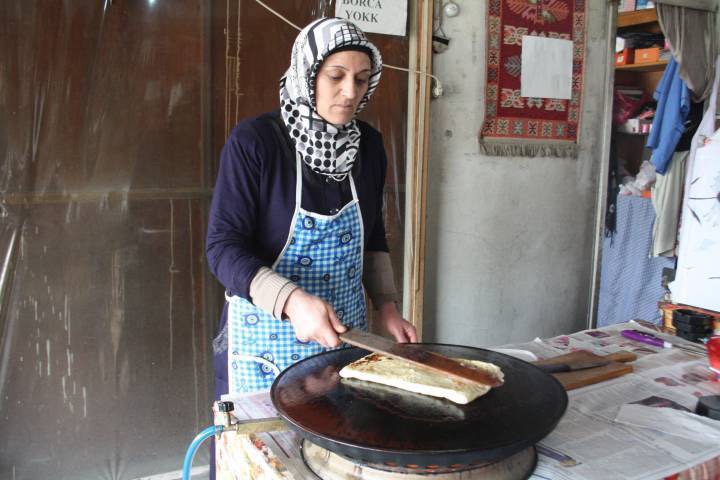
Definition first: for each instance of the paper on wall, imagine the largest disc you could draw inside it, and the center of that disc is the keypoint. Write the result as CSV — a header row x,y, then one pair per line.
x,y
546,67
388,17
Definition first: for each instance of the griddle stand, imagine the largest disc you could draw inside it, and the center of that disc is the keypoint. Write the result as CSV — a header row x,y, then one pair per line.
x,y
222,413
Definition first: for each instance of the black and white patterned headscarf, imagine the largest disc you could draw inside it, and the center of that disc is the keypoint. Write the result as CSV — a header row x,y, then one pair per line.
x,y
326,148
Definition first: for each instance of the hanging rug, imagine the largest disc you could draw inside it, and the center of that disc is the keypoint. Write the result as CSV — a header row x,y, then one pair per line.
x,y
530,126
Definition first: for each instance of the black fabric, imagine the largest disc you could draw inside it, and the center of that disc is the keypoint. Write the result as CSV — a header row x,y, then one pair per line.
x,y
613,188
691,125
353,48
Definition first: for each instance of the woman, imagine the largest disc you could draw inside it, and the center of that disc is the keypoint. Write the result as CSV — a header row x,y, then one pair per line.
x,y
296,223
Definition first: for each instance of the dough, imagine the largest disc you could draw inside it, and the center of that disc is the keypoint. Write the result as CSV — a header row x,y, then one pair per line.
x,y
404,375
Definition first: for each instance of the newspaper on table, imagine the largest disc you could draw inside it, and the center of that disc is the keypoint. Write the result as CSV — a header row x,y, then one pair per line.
x,y
630,428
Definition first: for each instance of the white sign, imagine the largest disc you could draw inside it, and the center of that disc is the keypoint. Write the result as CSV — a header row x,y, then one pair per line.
x,y
546,67
377,16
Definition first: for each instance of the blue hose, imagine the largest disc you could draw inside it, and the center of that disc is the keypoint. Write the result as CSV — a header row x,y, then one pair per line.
x,y
194,445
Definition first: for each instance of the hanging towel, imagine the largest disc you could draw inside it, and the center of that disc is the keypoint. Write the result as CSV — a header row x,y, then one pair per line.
x,y
630,282
667,200
673,105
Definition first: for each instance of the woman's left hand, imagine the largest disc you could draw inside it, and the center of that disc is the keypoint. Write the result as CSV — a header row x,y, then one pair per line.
x,y
393,323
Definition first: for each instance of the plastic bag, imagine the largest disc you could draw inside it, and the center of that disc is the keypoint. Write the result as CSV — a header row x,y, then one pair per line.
x,y
642,182
625,106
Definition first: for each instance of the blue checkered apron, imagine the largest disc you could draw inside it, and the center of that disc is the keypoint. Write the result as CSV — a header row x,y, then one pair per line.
x,y
323,255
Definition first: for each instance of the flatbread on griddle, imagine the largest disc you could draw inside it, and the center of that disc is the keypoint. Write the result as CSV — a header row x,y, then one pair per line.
x,y
406,376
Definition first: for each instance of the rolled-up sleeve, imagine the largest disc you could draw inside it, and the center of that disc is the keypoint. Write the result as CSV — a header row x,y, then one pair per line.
x,y
230,243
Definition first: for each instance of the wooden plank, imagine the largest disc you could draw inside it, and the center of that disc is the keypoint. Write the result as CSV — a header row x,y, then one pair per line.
x,y
638,17
417,158
581,378
602,182
644,67
647,81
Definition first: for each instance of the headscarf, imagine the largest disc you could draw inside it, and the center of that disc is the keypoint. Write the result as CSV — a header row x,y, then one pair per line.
x,y
326,148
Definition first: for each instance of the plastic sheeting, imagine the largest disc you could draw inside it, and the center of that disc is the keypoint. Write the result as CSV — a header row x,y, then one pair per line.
x,y
112,115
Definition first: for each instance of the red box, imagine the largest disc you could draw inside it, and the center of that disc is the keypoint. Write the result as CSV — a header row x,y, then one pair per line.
x,y
647,55
713,348
626,57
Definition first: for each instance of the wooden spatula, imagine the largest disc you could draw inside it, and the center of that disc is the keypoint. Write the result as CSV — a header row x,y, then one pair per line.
x,y
418,356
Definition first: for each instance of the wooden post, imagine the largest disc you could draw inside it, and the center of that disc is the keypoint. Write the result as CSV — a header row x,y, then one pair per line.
x,y
419,86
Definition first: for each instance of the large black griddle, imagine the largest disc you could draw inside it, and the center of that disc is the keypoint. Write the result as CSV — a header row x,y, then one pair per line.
x,y
382,425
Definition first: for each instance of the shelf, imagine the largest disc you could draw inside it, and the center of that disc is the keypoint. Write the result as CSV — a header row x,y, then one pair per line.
x,y
632,134
638,17
644,67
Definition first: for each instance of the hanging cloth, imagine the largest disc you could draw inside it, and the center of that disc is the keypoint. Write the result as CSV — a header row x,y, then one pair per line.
x,y
673,106
689,27
685,286
667,199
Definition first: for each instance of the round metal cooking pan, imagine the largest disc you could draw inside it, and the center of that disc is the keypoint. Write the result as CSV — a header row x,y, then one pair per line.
x,y
383,425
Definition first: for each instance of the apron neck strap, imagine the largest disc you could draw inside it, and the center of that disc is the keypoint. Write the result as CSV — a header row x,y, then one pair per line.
x,y
352,186
298,179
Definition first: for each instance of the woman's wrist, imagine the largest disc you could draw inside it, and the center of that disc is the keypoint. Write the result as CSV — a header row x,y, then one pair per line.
x,y
283,298
292,300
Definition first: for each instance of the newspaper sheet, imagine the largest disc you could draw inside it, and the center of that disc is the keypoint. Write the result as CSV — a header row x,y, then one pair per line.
x,y
600,438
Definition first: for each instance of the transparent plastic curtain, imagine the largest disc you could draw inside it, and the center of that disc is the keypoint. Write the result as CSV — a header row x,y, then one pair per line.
x,y
105,320
112,117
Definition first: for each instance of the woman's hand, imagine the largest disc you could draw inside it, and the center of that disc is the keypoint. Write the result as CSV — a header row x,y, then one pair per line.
x,y
313,319
393,323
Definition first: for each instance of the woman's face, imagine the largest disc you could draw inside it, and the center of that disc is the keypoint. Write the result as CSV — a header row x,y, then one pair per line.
x,y
340,85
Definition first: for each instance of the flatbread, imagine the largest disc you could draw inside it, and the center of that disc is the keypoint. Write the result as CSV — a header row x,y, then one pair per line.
x,y
396,373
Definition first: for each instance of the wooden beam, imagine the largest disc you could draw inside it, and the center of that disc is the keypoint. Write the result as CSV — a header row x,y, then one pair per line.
x,y
637,17
99,196
601,196
421,15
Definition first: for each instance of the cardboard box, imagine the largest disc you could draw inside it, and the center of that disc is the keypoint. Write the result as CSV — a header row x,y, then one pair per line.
x,y
626,6
625,57
647,55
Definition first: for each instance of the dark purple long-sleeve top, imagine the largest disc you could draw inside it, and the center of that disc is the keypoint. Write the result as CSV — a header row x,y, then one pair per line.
x,y
254,200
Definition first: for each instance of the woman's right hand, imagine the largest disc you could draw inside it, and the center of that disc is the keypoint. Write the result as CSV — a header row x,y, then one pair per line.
x,y
313,319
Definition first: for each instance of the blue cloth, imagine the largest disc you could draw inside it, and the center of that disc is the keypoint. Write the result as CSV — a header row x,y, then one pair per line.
x,y
324,256
630,281
673,105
